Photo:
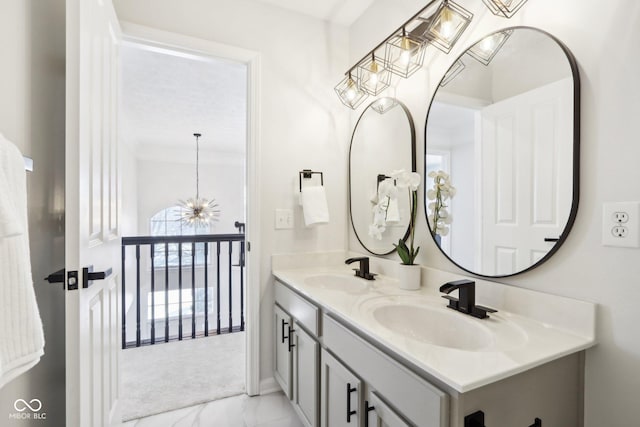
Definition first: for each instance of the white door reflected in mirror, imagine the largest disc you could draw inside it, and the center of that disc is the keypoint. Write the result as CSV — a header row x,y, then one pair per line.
x,y
504,132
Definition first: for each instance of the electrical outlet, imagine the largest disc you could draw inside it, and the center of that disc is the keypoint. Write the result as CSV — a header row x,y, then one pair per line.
x,y
284,219
620,231
621,217
621,224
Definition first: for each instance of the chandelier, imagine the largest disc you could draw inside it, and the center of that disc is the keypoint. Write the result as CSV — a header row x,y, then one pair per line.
x,y
198,211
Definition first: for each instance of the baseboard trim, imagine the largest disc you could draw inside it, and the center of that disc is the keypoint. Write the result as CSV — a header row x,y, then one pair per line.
x,y
269,385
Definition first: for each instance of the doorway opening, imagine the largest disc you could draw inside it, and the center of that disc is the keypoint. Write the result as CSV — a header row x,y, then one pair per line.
x,y
184,285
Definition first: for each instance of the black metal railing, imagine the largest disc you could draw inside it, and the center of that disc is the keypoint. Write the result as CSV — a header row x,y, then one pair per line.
x,y
213,259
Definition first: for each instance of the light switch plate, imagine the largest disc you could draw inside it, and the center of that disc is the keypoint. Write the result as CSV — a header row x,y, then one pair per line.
x,y
284,219
621,224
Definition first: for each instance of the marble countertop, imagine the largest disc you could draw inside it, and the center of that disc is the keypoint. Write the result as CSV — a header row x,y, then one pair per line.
x,y
531,328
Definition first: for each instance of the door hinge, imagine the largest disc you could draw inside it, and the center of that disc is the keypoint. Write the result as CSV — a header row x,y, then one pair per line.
x,y
248,246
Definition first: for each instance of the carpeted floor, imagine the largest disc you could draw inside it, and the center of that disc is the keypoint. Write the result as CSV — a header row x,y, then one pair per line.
x,y
168,376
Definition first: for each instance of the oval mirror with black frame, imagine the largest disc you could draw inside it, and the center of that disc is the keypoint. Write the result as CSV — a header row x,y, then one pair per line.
x,y
502,153
383,141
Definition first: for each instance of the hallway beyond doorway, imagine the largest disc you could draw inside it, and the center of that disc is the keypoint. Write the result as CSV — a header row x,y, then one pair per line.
x,y
178,374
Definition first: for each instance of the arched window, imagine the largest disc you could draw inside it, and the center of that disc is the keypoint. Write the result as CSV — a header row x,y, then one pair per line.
x,y
167,223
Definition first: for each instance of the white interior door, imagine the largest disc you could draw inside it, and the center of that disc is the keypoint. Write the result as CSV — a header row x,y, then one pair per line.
x,y
527,145
92,214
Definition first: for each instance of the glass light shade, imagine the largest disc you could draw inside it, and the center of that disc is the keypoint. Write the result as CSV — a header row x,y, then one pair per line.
x,y
404,55
373,76
506,8
488,47
446,25
350,92
455,69
383,105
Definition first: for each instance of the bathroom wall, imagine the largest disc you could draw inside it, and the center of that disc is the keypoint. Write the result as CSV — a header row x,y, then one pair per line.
x,y
604,39
32,116
162,183
302,123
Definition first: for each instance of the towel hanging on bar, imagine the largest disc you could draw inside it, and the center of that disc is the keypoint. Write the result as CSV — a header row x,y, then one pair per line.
x,y
21,333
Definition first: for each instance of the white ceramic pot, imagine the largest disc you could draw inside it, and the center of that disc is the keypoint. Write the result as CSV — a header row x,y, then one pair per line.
x,y
409,276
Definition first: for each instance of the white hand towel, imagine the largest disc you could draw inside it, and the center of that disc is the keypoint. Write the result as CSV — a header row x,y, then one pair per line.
x,y
314,205
393,213
21,335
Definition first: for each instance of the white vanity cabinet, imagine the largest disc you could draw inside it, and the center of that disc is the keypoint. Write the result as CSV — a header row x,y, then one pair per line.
x,y
297,353
306,374
378,413
341,394
283,368
345,371
414,399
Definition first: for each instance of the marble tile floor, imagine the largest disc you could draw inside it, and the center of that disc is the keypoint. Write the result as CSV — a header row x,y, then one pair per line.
x,y
270,410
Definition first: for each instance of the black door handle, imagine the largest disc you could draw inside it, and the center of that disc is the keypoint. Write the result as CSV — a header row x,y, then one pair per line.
x,y
88,275
56,277
349,411
551,239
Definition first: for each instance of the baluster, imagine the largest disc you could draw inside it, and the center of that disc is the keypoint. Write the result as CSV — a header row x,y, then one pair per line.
x,y
193,290
206,289
242,258
180,291
124,303
230,287
137,295
166,292
153,295
218,288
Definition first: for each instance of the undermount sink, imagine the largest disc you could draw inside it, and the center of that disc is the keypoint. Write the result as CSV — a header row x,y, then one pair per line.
x,y
338,282
427,321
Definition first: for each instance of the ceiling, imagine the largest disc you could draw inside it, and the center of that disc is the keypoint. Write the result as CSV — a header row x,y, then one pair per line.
x,y
166,98
343,12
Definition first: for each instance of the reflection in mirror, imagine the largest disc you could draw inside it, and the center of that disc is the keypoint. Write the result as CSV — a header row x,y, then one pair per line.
x,y
502,143
383,141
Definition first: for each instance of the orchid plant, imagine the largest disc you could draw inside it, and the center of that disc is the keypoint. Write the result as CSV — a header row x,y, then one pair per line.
x,y
387,191
441,192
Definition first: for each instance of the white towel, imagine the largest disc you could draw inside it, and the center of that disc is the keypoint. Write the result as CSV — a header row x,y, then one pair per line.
x,y
393,213
314,205
21,335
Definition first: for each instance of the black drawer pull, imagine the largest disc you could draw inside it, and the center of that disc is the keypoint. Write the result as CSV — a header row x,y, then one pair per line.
x,y
367,409
289,338
349,411
283,337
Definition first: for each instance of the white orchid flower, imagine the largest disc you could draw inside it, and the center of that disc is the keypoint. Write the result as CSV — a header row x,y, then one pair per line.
x,y
387,189
442,191
404,179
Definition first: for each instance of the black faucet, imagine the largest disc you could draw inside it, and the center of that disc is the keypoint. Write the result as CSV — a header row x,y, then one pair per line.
x,y
466,303
363,270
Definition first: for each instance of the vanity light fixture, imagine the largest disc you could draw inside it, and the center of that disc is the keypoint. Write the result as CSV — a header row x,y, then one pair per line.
x,y
350,93
446,25
383,105
440,22
505,8
486,49
373,77
453,72
404,54
197,211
